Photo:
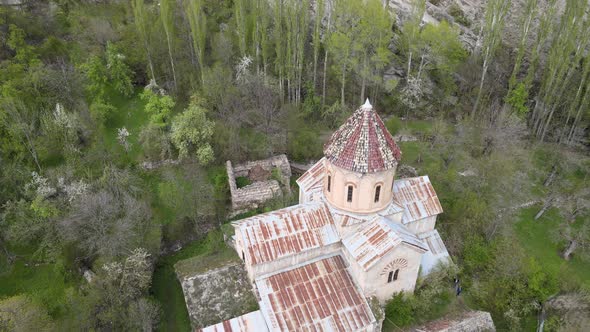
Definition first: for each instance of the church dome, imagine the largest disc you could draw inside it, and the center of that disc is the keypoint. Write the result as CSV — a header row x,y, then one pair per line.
x,y
363,144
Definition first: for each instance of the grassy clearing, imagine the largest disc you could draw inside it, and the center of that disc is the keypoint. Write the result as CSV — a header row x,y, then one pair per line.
x,y
166,287
130,113
209,261
46,283
536,236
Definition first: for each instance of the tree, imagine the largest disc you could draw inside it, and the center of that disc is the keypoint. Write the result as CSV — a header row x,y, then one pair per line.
x,y
155,143
526,20
109,220
20,313
344,42
495,15
167,16
104,72
567,49
119,73
141,24
158,106
198,28
375,36
316,40
117,297
191,132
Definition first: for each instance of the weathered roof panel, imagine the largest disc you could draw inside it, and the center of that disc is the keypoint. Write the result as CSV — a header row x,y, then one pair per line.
x,y
377,239
418,198
287,231
313,178
250,322
363,144
319,296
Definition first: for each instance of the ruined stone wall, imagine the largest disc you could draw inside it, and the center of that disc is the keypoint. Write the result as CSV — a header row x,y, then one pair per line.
x,y
468,321
251,196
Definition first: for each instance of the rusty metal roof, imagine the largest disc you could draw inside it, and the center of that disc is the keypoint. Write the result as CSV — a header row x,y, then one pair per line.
x,y
250,322
377,239
319,296
287,231
418,198
312,180
363,144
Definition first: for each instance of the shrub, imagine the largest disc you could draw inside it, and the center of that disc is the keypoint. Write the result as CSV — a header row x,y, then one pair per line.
x,y
304,145
399,310
459,15
242,181
394,125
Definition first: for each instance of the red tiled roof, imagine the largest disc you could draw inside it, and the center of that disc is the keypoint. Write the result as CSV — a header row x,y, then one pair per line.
x,y
418,198
363,144
287,231
312,180
320,296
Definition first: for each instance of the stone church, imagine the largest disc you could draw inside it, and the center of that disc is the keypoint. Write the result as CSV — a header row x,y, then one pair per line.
x,y
357,236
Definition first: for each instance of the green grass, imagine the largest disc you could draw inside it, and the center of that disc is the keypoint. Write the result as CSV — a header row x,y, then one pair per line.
x,y
537,238
44,282
202,263
414,127
419,155
166,287
129,113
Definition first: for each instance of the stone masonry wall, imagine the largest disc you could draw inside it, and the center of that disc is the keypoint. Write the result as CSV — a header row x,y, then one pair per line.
x,y
251,196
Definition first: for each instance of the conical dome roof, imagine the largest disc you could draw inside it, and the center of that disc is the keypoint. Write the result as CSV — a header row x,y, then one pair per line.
x,y
363,144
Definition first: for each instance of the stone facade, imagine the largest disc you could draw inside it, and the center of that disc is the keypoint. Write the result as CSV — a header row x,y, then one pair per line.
x,y
253,195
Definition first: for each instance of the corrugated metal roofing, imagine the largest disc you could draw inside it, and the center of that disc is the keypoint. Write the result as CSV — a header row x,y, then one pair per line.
x,y
418,198
314,177
363,144
287,231
250,322
320,296
346,218
377,239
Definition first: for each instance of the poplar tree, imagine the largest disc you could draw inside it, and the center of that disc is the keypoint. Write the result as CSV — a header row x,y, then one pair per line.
x,y
344,44
496,11
198,28
319,14
279,44
167,15
240,17
526,20
568,47
327,34
375,36
141,24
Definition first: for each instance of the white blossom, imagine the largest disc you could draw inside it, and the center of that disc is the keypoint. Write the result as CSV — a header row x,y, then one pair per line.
x,y
61,118
242,68
41,185
122,135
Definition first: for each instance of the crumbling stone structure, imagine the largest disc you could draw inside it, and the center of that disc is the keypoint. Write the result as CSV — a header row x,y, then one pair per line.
x,y
269,178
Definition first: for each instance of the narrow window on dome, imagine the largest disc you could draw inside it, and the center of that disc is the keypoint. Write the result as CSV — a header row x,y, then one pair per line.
x,y
377,193
349,196
329,182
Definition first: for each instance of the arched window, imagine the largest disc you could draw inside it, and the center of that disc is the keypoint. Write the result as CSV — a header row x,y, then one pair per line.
x,y
392,276
243,256
377,193
349,195
329,182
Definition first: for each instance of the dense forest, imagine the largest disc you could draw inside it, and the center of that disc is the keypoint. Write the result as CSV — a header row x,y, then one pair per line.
x,y
117,117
